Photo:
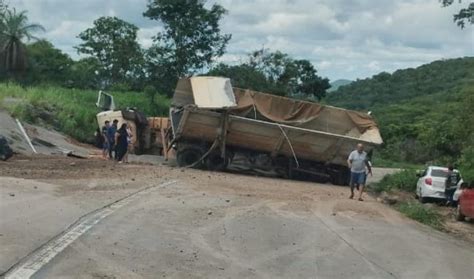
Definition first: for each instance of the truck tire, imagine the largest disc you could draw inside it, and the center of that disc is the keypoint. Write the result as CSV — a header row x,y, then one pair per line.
x,y
189,155
282,167
215,162
342,177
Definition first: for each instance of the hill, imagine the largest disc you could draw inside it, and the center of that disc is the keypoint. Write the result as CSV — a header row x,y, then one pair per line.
x,y
425,114
338,83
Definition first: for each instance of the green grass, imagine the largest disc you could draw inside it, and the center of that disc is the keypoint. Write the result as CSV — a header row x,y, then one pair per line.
x,y
380,162
70,111
422,214
405,180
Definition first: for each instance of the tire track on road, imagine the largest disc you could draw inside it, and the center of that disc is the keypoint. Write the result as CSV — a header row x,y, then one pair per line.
x,y
33,262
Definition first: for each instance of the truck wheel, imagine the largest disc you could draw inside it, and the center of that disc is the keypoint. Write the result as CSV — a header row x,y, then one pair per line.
x,y
282,167
188,156
215,162
341,178
459,216
338,180
292,174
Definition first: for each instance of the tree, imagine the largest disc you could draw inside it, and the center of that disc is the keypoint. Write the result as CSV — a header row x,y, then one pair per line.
x,y
290,77
113,42
303,80
84,74
190,41
14,30
47,63
3,7
243,76
275,73
464,15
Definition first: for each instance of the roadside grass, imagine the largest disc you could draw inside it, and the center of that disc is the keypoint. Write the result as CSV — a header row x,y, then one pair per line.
x,y
403,185
381,162
421,213
404,180
70,111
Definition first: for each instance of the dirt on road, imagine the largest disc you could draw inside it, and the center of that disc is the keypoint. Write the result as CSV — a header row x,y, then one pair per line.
x,y
71,172
54,191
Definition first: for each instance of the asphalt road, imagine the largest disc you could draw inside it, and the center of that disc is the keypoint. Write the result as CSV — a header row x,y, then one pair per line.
x,y
213,225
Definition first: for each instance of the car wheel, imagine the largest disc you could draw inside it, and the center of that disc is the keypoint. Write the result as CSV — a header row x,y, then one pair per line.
x,y
423,199
459,216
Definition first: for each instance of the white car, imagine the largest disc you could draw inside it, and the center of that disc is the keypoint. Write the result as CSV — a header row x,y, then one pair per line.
x,y
431,184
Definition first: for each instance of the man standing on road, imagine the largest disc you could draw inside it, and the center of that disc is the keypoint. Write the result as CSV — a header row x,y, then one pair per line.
x,y
357,162
105,139
111,136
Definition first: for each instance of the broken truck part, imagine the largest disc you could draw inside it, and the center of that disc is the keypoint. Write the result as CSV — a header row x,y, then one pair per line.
x,y
148,133
5,151
296,139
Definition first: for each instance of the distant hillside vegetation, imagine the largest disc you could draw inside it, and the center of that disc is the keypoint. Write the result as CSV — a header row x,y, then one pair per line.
x,y
338,83
425,114
385,88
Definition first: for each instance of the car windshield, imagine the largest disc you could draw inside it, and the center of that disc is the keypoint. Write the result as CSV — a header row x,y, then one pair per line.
x,y
439,173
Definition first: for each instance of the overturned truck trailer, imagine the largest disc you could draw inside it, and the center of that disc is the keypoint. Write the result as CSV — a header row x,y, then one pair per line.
x,y
213,123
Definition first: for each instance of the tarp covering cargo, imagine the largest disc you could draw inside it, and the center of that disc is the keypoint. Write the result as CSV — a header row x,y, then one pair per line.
x,y
303,114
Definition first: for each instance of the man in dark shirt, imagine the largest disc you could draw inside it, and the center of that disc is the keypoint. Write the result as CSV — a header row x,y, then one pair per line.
x,y
111,137
452,179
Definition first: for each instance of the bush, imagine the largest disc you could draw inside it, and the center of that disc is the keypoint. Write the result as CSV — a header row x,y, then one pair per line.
x,y
404,180
422,214
466,164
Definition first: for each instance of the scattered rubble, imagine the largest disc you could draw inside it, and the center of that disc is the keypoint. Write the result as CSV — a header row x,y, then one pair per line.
x,y
39,140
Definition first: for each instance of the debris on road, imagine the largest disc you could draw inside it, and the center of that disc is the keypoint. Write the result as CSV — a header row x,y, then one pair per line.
x,y
27,139
5,151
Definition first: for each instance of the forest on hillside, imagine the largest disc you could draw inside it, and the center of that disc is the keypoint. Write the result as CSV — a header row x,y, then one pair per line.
x,y
424,114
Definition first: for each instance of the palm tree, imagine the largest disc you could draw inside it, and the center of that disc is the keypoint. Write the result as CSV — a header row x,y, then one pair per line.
x,y
14,28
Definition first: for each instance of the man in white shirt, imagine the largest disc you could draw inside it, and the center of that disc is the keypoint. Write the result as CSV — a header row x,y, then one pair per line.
x,y
358,162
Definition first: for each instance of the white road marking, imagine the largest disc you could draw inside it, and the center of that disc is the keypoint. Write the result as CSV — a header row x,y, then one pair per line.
x,y
35,261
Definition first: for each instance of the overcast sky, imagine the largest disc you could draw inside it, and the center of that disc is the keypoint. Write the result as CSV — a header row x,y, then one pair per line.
x,y
343,38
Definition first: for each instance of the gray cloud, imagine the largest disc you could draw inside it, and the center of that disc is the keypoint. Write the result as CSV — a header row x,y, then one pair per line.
x,y
344,39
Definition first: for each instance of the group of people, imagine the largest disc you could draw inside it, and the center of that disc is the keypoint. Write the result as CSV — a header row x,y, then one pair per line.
x,y
117,141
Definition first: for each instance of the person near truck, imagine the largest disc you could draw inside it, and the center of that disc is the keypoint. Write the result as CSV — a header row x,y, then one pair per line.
x,y
105,139
111,137
452,179
358,162
129,143
121,142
